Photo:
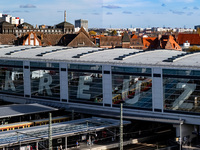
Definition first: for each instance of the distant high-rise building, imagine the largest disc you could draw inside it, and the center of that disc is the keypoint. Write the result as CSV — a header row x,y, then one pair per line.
x,y
21,21
81,23
196,27
12,20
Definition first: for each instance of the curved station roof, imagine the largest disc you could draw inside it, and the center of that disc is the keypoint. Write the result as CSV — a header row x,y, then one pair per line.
x,y
118,56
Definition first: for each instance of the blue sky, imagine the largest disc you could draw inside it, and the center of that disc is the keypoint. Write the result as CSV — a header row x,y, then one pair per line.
x,y
107,13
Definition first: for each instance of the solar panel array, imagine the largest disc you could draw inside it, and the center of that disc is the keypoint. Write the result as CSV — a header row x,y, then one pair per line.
x,y
173,58
131,54
20,50
89,52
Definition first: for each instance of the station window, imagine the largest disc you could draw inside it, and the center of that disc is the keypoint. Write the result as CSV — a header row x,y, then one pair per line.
x,y
133,86
85,83
45,80
181,90
11,77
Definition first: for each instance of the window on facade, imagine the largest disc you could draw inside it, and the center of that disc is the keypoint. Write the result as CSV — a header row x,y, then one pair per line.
x,y
11,77
181,90
133,86
85,83
45,80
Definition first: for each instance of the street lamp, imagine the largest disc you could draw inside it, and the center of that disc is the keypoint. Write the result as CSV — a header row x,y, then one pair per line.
x,y
121,125
181,122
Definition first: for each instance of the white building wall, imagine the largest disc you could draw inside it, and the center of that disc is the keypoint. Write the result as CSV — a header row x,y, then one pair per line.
x,y
37,43
7,19
12,20
32,42
16,21
21,21
26,43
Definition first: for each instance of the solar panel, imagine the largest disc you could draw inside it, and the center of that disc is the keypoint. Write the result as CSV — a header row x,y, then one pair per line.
x,y
89,52
51,51
130,54
19,50
173,58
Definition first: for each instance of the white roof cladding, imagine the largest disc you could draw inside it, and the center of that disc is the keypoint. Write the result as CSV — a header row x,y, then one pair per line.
x,y
100,56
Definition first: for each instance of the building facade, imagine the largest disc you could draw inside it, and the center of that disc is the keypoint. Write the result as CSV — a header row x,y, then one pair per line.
x,y
154,85
81,23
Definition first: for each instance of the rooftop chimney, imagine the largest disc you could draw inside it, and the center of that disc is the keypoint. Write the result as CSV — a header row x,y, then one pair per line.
x,y
65,16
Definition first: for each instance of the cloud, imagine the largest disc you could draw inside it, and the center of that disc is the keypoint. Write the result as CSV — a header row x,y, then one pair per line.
x,y
183,1
16,11
185,7
6,11
108,13
177,12
27,6
163,5
111,7
158,13
127,12
190,13
95,13
196,8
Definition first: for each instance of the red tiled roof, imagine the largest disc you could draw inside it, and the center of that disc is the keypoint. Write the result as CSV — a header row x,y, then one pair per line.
x,y
134,36
7,39
171,44
150,42
193,39
81,40
110,40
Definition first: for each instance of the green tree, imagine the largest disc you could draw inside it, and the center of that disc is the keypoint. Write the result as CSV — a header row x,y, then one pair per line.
x,y
114,33
198,31
194,48
92,33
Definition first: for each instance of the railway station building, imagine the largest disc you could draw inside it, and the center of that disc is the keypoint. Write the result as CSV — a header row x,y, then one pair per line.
x,y
155,85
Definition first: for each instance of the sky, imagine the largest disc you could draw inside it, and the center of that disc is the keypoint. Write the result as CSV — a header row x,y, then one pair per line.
x,y
107,13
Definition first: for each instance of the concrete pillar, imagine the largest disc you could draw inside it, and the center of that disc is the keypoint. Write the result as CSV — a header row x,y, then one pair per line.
x,y
66,143
63,82
27,80
186,131
37,145
107,85
157,90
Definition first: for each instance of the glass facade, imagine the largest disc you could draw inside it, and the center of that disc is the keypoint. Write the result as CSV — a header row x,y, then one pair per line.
x,y
11,77
181,90
45,80
133,86
85,83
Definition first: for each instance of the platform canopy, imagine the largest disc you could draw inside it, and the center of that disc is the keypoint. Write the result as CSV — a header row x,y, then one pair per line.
x,y
23,109
63,129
